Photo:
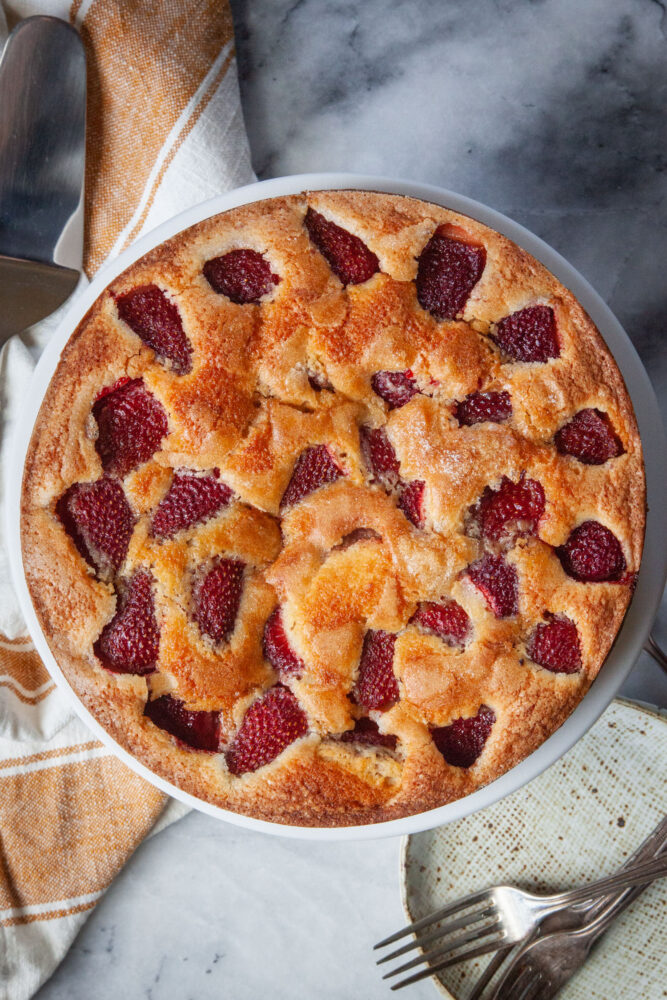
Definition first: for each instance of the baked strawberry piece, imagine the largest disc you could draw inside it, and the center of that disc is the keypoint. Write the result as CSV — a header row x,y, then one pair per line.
x,y
98,519
379,455
277,648
529,334
191,499
156,320
216,597
377,687
554,645
348,256
197,730
270,725
315,467
462,742
244,276
484,407
396,388
592,554
513,509
319,382
411,502
381,459
355,536
446,619
447,272
589,437
497,582
130,643
131,423
366,733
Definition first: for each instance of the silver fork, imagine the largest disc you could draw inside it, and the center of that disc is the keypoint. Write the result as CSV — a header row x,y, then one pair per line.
x,y
566,921
505,915
543,967
549,962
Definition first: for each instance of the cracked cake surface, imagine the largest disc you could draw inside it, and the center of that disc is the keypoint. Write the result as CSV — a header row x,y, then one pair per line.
x,y
333,507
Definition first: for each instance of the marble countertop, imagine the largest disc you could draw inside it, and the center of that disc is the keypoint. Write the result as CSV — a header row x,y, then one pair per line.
x,y
553,112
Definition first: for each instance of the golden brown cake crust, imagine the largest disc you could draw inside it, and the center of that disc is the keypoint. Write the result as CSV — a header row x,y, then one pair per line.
x,y
249,409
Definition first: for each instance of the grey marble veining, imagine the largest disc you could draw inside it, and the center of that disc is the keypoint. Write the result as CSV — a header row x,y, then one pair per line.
x,y
552,111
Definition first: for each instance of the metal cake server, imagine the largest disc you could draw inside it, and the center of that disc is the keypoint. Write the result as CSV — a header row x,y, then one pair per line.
x,y
42,156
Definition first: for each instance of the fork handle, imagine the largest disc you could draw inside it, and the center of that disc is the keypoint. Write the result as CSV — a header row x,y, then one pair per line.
x,y
605,915
594,929
654,650
653,847
639,874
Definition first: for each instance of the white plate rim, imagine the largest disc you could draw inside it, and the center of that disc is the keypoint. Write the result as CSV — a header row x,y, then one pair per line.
x,y
651,579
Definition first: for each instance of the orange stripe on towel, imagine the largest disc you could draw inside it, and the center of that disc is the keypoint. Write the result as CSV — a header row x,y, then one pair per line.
x,y
68,829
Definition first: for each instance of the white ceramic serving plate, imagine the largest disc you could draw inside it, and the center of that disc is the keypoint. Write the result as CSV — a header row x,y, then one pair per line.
x,y
654,564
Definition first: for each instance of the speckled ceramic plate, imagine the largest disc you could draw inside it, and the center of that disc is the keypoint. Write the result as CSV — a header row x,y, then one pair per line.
x,y
579,820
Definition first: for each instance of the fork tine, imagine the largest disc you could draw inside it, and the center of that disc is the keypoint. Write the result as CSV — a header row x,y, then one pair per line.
x,y
490,971
482,949
444,911
518,987
453,925
474,934
534,988
516,975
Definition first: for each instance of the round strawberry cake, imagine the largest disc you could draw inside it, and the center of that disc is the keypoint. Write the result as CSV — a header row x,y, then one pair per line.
x,y
333,507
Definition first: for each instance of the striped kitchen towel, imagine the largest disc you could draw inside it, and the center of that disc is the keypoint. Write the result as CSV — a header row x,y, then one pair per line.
x,y
165,131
